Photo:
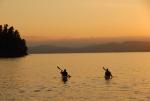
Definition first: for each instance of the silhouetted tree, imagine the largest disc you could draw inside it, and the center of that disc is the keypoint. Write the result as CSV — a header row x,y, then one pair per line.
x,y
1,28
11,44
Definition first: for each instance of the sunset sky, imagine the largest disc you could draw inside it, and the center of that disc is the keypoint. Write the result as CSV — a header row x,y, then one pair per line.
x,y
77,18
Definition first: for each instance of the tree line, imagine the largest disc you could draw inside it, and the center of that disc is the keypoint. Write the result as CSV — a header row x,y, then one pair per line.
x,y
11,44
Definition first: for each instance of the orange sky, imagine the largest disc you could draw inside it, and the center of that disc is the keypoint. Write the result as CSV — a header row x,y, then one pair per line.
x,y
77,18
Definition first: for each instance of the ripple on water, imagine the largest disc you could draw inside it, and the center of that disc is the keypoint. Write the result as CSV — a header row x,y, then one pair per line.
x,y
37,90
21,91
49,90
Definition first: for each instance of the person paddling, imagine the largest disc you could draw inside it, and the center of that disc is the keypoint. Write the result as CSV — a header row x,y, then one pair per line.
x,y
108,74
64,72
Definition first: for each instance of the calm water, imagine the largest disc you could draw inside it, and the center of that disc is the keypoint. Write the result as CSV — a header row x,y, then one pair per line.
x,y
36,78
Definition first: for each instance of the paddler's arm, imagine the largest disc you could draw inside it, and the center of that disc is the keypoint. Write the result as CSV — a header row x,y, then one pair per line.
x,y
68,75
111,76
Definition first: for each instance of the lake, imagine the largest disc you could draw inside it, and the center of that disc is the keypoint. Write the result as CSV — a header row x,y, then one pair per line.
x,y
36,77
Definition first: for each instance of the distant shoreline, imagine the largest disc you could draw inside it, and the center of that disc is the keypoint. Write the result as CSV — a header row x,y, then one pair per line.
x,y
88,52
128,46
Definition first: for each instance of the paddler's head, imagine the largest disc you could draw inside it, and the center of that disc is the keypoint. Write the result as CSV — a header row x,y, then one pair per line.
x,y
64,70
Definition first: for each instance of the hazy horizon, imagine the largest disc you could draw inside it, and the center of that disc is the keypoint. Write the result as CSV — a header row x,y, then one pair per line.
x,y
79,42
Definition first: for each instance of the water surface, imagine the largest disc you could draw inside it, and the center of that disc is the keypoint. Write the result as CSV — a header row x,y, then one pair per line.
x,y
36,78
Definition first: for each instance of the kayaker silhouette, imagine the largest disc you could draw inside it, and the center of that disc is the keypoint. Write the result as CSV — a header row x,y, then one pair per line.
x,y
108,74
64,74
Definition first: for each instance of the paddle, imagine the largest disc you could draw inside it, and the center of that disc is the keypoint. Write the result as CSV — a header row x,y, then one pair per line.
x,y
59,68
62,71
104,68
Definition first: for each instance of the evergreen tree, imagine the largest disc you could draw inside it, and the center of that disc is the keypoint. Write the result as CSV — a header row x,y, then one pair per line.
x,y
11,44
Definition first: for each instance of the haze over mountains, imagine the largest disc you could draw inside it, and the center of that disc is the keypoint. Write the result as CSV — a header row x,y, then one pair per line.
x,y
88,45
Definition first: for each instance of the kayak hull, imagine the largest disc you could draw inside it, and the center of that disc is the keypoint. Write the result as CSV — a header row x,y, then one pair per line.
x,y
64,78
107,77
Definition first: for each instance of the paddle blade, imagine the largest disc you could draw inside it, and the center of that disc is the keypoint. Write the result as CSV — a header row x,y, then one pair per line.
x,y
69,76
59,68
104,68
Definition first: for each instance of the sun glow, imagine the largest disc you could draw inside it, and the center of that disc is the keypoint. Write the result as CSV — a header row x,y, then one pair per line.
x,y
76,18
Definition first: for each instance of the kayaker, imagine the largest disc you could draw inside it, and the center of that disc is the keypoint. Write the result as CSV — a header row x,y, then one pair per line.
x,y
108,74
64,73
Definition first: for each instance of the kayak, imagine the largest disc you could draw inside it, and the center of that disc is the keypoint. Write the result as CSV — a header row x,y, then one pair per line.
x,y
107,77
64,78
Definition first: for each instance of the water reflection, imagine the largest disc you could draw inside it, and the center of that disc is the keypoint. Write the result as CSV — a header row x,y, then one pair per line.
x,y
10,81
35,77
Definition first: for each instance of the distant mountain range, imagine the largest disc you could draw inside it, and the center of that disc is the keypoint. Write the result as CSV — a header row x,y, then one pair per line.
x,y
127,46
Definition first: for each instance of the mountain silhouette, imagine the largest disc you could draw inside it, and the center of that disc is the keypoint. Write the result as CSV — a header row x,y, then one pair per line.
x,y
127,46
